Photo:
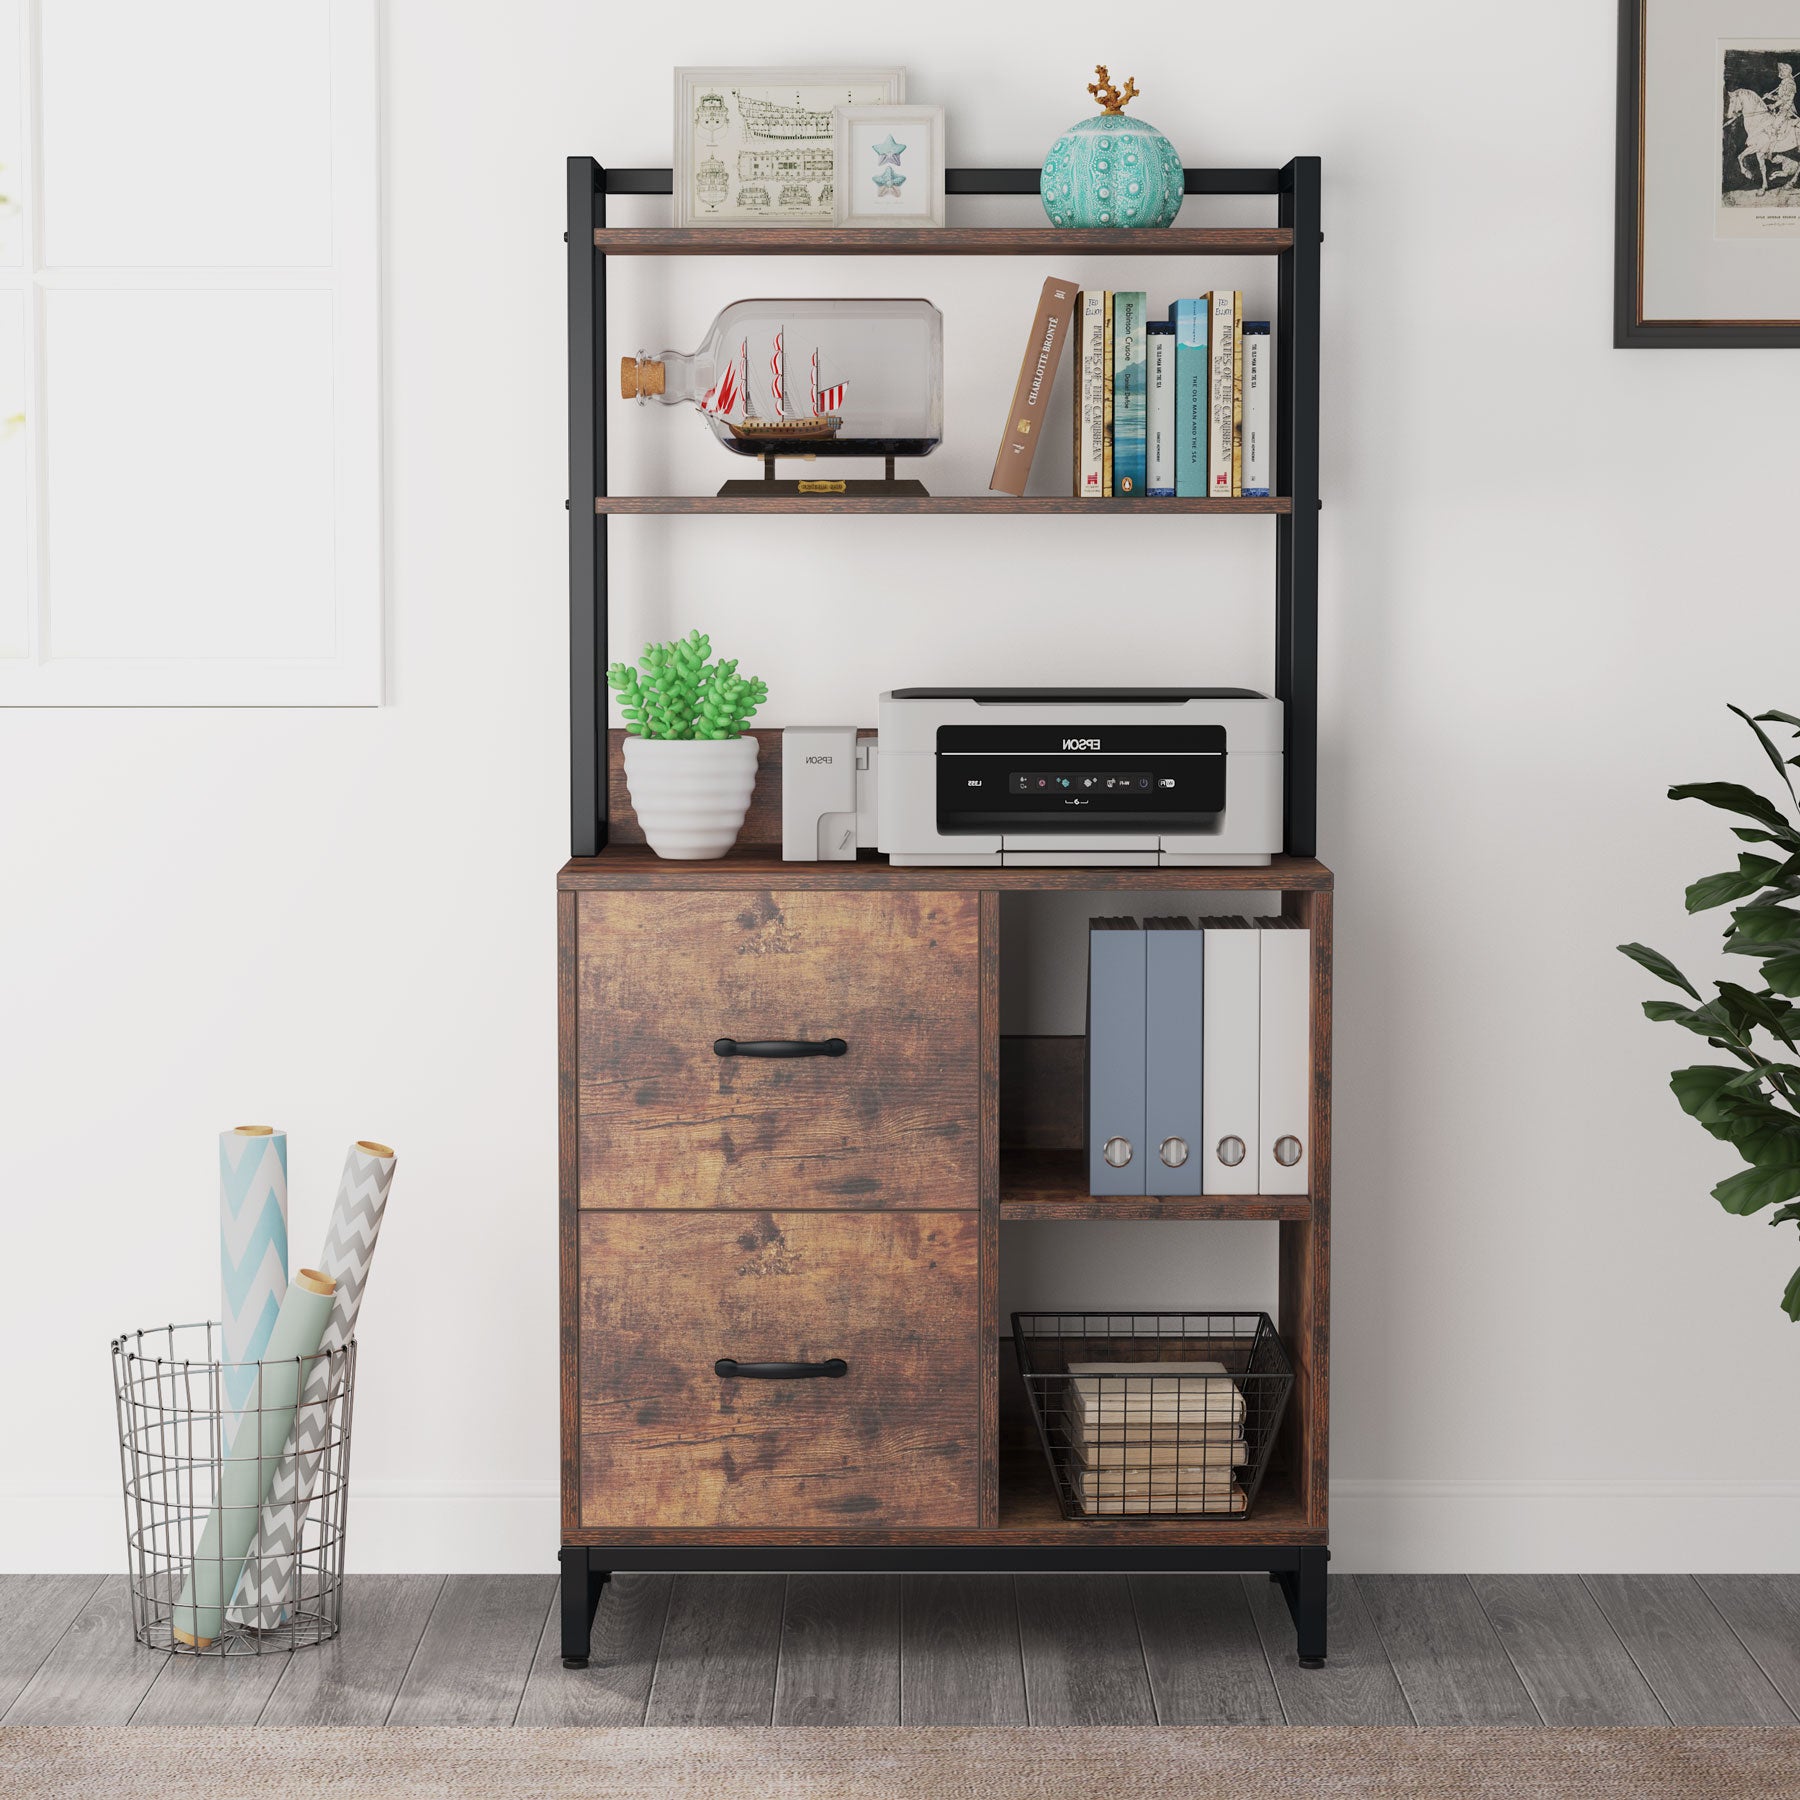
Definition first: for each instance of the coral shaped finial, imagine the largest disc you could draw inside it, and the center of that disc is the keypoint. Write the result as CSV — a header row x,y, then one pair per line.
x,y
1110,98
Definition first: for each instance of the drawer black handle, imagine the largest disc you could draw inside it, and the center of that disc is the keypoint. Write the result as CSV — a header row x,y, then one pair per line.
x,y
728,1366
780,1047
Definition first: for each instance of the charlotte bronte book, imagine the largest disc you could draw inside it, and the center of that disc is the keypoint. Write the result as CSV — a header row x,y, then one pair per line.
x,y
1050,329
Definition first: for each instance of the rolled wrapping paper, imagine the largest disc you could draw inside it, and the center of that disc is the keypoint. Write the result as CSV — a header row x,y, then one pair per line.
x,y
253,1252
253,1457
268,1583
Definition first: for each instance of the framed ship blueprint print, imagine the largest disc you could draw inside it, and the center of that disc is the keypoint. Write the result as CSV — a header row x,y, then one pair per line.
x,y
754,146
1707,223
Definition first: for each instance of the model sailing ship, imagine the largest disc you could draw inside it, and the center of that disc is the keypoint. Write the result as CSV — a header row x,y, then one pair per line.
x,y
766,437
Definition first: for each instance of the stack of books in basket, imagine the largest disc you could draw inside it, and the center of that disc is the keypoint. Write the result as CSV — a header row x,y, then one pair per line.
x,y
1155,1437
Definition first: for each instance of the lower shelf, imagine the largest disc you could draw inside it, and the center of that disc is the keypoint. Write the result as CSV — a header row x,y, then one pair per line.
x,y
1052,1184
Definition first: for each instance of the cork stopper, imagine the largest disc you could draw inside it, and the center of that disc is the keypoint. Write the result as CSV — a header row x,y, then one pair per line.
x,y
639,378
1112,99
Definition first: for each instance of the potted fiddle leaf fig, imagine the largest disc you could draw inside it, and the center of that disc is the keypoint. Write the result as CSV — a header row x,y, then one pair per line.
x,y
1752,1100
690,765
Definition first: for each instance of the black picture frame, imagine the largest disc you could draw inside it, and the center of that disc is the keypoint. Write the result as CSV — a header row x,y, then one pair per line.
x,y
1631,330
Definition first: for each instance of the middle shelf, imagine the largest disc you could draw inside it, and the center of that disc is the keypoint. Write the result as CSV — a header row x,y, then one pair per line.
x,y
784,502
1052,1184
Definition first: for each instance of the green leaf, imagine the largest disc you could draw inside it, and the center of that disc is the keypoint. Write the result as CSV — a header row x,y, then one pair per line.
x,y
1745,1009
1786,1215
1782,973
1753,874
1781,718
1790,1301
1768,744
1732,796
1750,1190
1659,966
1695,1086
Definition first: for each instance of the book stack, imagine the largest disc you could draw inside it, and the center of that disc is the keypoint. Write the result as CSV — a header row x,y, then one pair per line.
x,y
1174,408
1156,1437
1197,1070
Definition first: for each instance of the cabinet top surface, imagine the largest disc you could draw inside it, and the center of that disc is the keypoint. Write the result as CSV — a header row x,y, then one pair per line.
x,y
761,866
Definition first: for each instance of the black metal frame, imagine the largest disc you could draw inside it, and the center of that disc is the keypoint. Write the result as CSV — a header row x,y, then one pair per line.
x,y
1298,1569
1630,331
1296,189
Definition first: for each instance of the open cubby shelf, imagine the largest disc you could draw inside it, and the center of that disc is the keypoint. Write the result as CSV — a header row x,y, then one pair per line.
x,y
1052,1184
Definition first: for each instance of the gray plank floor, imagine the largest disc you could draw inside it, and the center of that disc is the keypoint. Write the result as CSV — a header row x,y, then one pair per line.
x,y
943,1650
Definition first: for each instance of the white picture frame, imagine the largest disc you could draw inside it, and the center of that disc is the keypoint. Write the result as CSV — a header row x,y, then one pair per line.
x,y
756,146
888,163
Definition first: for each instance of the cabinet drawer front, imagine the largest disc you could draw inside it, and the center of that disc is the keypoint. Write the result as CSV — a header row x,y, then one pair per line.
x,y
665,1440
666,1121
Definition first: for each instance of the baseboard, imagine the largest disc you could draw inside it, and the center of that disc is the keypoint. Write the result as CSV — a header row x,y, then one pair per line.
x,y
1378,1527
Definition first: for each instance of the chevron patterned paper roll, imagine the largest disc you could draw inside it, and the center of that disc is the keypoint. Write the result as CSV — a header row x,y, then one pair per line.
x,y
252,1458
253,1251
268,1585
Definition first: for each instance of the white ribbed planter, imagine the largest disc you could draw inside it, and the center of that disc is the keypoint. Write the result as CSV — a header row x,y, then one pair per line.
x,y
690,794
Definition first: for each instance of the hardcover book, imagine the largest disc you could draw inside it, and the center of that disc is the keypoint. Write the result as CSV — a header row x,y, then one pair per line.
x,y
1106,406
1159,409
1237,396
1037,376
1258,464
1090,410
1129,395
1189,317
1221,395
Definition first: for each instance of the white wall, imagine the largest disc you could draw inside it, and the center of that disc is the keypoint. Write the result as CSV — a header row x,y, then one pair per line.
x,y
1550,1348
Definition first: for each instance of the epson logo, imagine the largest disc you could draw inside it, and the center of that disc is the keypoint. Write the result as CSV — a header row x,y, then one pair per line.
x,y
821,759
1081,743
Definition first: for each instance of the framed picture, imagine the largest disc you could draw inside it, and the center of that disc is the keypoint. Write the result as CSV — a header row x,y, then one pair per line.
x,y
1707,224
754,146
890,165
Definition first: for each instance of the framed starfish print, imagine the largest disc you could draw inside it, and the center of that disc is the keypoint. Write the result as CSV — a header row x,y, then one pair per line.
x,y
890,165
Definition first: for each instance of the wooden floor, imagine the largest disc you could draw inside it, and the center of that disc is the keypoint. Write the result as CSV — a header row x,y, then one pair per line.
x,y
944,1650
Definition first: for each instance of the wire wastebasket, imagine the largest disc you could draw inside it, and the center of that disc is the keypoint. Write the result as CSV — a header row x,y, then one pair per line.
x,y
203,1477
1148,1414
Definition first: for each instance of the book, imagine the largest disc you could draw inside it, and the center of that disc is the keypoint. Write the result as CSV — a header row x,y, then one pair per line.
x,y
1221,387
1215,1452
1220,1501
1259,368
1189,317
1237,396
1129,394
1106,410
1159,409
1090,420
1037,376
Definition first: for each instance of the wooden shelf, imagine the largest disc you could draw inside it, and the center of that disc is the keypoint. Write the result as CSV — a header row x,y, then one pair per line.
x,y
685,504
1052,1184
1027,240
761,866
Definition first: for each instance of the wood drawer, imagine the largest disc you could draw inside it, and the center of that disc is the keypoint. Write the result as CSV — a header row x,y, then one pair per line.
x,y
666,1441
666,1122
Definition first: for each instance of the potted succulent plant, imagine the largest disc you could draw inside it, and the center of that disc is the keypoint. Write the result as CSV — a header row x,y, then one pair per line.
x,y
690,766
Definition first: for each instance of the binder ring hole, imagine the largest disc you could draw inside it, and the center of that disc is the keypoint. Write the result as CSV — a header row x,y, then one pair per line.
x,y
1287,1151
1117,1151
1173,1151
1231,1151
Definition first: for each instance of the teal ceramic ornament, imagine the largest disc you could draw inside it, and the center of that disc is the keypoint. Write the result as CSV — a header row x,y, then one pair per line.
x,y
1114,170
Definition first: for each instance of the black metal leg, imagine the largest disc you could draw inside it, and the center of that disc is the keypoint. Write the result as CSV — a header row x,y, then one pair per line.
x,y
1304,1591
581,1589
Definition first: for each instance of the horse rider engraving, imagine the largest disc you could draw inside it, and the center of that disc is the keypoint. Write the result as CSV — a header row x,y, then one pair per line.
x,y
1771,130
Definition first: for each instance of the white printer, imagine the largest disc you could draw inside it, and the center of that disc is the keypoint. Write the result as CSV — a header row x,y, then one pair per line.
x,y
1081,777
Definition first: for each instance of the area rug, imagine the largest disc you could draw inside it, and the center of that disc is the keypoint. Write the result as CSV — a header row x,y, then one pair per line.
x,y
854,1763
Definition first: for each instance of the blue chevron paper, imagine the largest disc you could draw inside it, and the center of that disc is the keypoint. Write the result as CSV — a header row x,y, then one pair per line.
x,y
253,1251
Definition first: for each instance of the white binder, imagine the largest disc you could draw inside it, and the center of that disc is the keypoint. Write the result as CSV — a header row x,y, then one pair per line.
x,y
1230,1067
1285,1158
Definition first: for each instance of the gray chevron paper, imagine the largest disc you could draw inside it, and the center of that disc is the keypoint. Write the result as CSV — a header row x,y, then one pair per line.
x,y
253,1252
268,1587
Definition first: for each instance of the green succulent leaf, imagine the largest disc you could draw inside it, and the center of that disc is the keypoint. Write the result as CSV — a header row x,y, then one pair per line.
x,y
1659,966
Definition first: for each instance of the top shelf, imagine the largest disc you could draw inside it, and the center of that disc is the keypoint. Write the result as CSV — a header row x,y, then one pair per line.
x,y
1030,240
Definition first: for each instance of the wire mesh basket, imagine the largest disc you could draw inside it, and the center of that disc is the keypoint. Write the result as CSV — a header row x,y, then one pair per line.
x,y
203,1476
1154,1414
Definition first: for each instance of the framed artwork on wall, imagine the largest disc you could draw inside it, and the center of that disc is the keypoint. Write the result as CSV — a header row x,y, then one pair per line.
x,y
754,146
1707,222
890,165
